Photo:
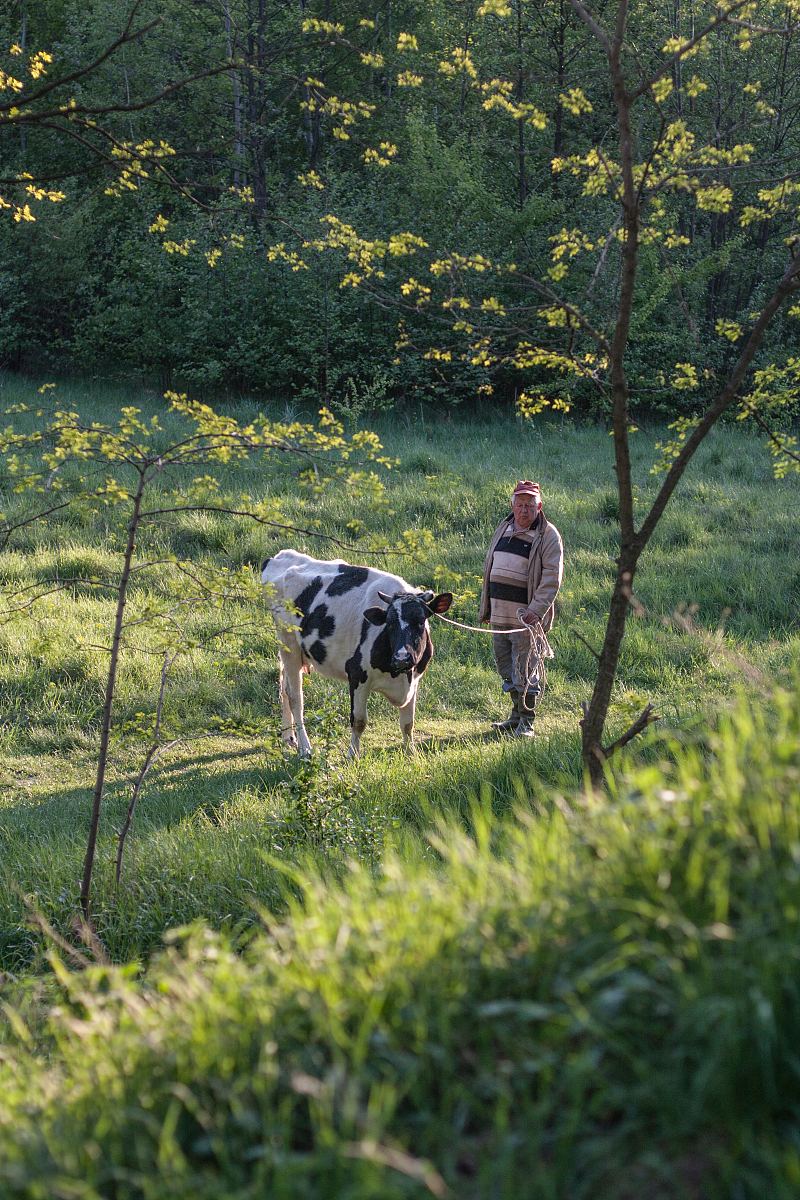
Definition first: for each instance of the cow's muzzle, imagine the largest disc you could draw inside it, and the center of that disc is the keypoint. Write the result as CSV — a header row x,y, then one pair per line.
x,y
402,661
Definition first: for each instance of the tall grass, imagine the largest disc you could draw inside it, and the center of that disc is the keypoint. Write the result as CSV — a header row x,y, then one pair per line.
x,y
587,998
718,593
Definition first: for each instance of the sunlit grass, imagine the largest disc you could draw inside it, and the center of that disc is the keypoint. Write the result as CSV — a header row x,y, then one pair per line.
x,y
719,591
588,996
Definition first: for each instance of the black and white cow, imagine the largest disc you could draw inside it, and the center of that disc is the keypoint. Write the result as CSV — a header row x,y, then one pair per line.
x,y
357,624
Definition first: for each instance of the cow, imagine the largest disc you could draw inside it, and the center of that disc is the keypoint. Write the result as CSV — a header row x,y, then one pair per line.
x,y
363,626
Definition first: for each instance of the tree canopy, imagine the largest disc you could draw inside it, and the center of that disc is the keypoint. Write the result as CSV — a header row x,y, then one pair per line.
x,y
454,163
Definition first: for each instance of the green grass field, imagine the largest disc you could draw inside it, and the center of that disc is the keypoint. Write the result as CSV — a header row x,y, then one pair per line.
x,y
447,975
215,805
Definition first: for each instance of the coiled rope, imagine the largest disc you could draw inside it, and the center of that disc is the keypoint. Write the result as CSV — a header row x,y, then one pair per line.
x,y
538,650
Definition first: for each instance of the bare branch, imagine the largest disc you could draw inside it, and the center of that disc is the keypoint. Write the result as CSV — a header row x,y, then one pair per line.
x,y
36,116
7,530
602,36
789,283
127,36
236,512
666,67
582,639
611,235
156,748
646,717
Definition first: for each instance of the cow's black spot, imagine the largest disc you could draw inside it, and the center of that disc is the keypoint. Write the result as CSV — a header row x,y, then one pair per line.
x,y
318,652
264,565
413,613
306,598
354,670
356,675
380,658
426,656
318,621
347,579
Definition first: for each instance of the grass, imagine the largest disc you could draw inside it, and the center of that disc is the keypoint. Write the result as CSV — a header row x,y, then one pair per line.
x,y
447,975
585,998
219,802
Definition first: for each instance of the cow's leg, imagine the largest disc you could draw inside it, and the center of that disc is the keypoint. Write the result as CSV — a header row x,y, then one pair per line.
x,y
358,718
292,701
406,715
287,720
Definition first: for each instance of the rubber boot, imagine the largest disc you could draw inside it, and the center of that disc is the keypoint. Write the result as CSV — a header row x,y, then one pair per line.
x,y
512,721
527,714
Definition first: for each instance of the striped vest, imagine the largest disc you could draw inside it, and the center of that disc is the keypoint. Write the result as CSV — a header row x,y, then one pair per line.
x,y
508,577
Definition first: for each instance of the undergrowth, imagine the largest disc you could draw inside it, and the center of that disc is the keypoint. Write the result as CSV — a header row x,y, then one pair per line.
x,y
588,997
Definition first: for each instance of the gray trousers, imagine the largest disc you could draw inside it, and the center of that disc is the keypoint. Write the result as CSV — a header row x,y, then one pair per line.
x,y
511,654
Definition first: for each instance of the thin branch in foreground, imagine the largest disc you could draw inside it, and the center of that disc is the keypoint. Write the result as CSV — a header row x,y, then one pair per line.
x,y
774,437
646,717
50,85
582,639
236,512
37,920
156,747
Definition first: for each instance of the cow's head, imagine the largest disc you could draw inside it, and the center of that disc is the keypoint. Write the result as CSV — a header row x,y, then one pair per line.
x,y
405,617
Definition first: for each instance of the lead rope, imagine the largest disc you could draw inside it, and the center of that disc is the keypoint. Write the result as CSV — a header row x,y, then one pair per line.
x,y
538,650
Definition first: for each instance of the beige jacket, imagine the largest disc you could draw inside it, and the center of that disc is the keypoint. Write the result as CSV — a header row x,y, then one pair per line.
x,y
545,571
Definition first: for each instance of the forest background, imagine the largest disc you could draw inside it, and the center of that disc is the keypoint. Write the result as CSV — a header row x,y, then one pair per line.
x,y
449,120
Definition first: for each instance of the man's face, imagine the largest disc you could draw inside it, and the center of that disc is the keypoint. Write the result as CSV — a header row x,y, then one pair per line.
x,y
525,508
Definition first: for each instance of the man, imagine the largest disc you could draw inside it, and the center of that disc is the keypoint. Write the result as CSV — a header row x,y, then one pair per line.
x,y
521,578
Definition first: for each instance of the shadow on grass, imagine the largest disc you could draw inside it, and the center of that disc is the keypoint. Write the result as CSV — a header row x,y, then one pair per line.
x,y
430,743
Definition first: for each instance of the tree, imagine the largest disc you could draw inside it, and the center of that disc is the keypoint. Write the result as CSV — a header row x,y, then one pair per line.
x,y
40,96
62,462
669,170
599,216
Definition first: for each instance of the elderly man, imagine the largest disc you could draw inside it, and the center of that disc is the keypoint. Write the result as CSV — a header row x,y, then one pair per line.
x,y
521,578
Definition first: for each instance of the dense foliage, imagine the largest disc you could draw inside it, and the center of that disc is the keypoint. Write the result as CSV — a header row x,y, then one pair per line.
x,y
600,998
463,124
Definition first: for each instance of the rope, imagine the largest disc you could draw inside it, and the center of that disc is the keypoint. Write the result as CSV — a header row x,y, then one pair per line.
x,y
479,629
538,650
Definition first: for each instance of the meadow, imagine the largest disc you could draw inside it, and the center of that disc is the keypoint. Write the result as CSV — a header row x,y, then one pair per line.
x,y
447,974
718,597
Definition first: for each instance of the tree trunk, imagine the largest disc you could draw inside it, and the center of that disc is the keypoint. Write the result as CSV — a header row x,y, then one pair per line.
x,y
238,146
111,680
594,721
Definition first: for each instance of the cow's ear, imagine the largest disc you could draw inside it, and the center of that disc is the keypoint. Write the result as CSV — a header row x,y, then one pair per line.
x,y
440,604
375,616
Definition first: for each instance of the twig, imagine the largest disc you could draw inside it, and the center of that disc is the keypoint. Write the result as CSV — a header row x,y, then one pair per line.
x,y
683,50
581,638
235,512
88,936
51,84
645,718
772,435
153,751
